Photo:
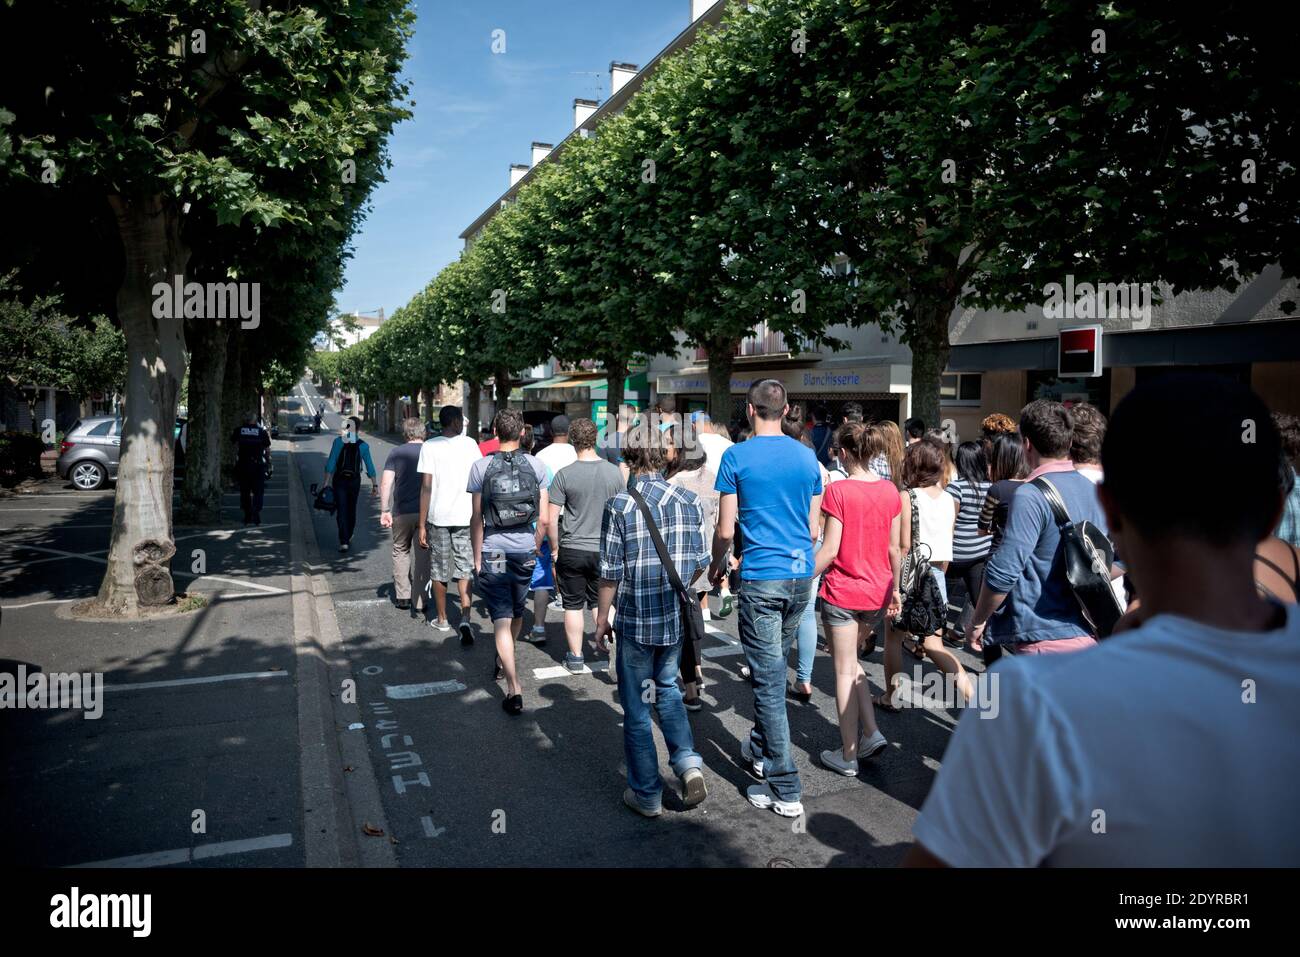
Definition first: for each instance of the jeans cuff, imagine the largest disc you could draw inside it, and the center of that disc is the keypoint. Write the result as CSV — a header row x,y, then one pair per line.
x,y
694,761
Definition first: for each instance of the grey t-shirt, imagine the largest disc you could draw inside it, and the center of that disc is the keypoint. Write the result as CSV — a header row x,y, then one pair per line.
x,y
515,539
583,488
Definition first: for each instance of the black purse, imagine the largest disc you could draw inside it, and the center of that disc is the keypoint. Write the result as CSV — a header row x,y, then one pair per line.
x,y
692,615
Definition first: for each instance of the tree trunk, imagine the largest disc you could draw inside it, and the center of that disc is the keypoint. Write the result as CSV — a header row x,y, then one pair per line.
x,y
250,376
232,413
503,388
391,409
201,493
473,408
721,356
616,376
930,349
138,572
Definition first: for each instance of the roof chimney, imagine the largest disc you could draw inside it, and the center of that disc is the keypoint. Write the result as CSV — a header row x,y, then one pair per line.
x,y
699,7
619,74
540,151
517,171
582,110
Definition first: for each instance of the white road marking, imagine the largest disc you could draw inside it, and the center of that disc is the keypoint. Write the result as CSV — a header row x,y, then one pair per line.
x,y
186,682
429,830
184,855
365,601
559,671
33,604
425,690
256,586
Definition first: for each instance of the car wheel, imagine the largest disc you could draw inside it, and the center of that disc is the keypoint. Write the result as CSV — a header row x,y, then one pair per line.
x,y
88,476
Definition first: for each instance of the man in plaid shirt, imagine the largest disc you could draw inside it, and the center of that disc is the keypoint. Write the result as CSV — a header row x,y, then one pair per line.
x,y
649,618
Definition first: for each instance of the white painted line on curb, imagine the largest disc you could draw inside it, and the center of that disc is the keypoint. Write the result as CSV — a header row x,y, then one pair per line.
x,y
183,855
33,604
184,682
425,690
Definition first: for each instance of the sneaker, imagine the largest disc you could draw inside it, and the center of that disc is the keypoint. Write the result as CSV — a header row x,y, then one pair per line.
x,y
629,798
834,761
754,761
728,602
466,634
708,615
513,704
575,663
437,624
761,796
343,547
557,603
403,604
535,637
870,747
694,789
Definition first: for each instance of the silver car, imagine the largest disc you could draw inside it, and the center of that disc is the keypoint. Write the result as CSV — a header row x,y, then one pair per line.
x,y
88,455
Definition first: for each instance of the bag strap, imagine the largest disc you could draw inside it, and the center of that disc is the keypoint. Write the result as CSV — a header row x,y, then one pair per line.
x,y
1054,501
669,565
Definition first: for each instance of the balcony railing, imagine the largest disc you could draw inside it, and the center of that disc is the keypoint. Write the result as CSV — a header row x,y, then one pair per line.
x,y
764,342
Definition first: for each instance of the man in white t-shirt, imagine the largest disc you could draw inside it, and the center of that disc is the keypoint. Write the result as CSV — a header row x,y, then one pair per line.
x,y
560,452
445,463
712,440
1173,743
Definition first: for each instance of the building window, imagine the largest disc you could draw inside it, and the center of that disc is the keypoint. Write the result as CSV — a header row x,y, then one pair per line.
x,y
1045,384
961,388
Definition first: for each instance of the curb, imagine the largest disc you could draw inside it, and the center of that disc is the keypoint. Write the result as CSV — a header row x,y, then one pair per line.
x,y
336,805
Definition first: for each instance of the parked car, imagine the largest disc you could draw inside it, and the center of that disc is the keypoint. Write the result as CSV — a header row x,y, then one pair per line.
x,y
89,453
292,416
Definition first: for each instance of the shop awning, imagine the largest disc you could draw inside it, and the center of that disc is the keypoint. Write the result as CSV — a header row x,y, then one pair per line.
x,y
635,384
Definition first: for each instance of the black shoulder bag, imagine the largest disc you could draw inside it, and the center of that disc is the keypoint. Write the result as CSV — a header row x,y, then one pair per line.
x,y
692,616
1088,555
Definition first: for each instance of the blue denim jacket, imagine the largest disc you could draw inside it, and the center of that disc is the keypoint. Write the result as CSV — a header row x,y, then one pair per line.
x,y
1028,565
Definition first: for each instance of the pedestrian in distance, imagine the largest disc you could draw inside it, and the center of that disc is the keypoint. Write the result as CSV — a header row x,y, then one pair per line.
x,y
578,496
448,507
507,524
399,494
252,444
349,453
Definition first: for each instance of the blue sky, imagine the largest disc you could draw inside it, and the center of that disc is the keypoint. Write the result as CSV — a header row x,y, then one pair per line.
x,y
476,112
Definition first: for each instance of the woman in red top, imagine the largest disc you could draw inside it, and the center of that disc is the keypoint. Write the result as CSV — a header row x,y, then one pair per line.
x,y
859,564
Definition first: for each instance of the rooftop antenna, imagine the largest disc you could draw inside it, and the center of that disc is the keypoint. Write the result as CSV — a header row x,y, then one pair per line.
x,y
599,82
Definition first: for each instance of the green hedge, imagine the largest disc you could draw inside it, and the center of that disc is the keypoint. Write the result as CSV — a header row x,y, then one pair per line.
x,y
20,457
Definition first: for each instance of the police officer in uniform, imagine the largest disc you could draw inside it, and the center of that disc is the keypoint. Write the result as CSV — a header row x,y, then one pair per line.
x,y
251,444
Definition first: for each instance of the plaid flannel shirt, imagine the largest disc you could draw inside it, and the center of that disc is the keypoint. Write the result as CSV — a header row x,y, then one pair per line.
x,y
646,607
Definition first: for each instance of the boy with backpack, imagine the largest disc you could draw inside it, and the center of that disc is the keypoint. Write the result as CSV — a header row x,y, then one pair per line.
x,y
509,489
348,456
1028,601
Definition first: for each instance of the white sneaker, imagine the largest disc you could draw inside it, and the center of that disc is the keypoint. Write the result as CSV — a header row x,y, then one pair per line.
x,y
557,603
761,796
870,747
630,799
693,788
708,615
755,760
834,761
437,625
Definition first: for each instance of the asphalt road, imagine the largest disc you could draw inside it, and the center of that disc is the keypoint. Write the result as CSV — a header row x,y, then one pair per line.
x,y
465,784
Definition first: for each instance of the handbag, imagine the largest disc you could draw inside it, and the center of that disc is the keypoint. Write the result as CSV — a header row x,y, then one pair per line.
x,y
692,615
922,612
1088,555
324,499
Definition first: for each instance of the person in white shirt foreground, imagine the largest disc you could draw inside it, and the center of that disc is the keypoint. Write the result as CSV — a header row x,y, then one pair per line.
x,y
1171,744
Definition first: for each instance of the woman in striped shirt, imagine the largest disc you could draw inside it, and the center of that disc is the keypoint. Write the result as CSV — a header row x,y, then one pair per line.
x,y
970,547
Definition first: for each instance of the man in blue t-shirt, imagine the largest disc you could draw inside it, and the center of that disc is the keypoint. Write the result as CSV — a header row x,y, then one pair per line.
x,y
770,484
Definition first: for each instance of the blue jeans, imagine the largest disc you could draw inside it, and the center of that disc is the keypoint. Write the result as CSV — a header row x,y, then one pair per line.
x,y
647,675
806,645
770,612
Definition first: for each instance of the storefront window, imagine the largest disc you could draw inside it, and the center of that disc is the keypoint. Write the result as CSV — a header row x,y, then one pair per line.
x,y
1047,385
960,387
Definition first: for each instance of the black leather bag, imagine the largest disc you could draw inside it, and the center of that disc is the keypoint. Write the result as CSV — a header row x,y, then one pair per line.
x,y
692,614
1088,555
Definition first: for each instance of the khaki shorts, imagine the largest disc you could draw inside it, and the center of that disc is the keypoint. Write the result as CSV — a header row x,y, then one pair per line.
x,y
449,553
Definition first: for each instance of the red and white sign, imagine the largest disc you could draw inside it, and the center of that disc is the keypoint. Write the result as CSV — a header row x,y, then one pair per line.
x,y
1079,352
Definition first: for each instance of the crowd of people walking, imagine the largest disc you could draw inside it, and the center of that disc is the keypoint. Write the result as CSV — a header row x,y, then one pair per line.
x,y
1036,540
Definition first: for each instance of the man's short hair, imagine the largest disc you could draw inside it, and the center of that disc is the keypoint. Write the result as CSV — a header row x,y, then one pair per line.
x,y
250,418
1049,427
645,449
582,434
852,412
356,422
914,427
560,425
767,396
413,429
1089,431
508,424
1206,419
450,415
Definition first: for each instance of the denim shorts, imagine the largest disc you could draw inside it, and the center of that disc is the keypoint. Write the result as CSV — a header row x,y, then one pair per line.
x,y
833,615
504,581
